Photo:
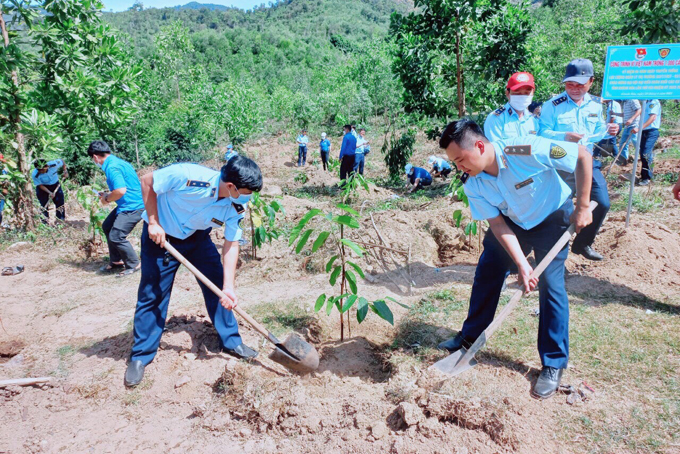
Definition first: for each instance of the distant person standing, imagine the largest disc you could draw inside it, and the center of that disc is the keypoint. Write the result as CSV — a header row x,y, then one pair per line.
x,y
230,153
324,150
47,186
126,190
614,114
631,123
302,141
650,134
363,148
348,151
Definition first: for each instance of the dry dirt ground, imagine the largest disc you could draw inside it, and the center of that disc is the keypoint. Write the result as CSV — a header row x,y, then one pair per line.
x,y
372,392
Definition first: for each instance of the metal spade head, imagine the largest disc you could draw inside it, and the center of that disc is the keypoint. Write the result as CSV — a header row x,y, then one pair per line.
x,y
461,360
306,357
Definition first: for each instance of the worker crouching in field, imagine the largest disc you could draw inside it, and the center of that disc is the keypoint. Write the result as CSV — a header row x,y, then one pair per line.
x,y
184,202
47,186
514,185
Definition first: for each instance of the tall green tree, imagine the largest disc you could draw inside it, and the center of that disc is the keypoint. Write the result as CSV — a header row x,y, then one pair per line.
x,y
652,21
173,45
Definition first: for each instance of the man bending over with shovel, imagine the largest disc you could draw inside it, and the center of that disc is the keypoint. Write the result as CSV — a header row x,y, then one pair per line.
x,y
514,185
183,203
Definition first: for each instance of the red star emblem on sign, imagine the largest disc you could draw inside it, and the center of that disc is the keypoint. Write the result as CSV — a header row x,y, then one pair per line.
x,y
640,53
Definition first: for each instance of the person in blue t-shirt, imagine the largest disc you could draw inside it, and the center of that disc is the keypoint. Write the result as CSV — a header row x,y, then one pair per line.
x,y
417,177
47,186
324,150
126,191
348,152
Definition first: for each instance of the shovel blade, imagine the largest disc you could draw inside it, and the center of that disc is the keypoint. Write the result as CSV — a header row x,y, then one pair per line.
x,y
305,358
452,364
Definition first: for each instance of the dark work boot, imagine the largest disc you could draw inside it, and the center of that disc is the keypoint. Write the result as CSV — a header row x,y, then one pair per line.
x,y
134,374
456,343
241,352
588,252
547,383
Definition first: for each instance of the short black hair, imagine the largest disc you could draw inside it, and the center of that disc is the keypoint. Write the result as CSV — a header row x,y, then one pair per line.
x,y
533,106
243,172
347,127
98,147
362,129
40,163
463,133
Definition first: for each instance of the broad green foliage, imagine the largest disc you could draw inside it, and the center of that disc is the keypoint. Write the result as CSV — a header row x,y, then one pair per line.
x,y
653,21
398,152
90,202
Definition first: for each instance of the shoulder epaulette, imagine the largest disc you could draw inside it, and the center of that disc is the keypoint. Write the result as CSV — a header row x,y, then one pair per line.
x,y
198,184
597,99
559,100
239,208
53,165
499,111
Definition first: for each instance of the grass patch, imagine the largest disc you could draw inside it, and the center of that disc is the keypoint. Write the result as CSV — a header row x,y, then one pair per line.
x,y
283,318
644,201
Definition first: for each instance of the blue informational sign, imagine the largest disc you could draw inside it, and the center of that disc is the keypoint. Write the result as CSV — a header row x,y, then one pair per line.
x,y
642,72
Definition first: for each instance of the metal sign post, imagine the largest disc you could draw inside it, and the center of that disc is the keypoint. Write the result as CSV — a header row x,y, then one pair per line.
x,y
635,162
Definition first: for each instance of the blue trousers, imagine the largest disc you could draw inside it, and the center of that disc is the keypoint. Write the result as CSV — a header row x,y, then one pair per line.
x,y
155,286
647,142
493,268
302,155
2,207
600,194
359,163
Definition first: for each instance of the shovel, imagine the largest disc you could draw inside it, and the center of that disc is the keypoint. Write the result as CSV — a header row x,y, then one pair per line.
x,y
294,353
463,359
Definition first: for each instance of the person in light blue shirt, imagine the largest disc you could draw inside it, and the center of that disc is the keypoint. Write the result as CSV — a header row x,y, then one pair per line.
x,y
417,178
514,118
363,148
324,150
348,151
183,203
576,116
230,153
45,177
514,185
302,141
440,167
126,191
650,134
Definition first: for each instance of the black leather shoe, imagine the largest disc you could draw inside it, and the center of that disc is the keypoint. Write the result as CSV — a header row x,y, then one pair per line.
x,y
547,383
241,352
456,343
588,253
134,374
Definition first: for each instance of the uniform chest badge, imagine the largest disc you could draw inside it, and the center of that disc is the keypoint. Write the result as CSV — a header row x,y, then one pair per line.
x,y
524,183
593,115
518,150
557,152
532,132
198,184
217,221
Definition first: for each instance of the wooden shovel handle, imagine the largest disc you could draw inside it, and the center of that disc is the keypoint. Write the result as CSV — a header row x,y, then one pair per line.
x,y
549,257
201,277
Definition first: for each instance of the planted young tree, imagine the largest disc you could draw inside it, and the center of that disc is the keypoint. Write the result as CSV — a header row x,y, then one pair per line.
x,y
87,198
398,152
331,235
263,221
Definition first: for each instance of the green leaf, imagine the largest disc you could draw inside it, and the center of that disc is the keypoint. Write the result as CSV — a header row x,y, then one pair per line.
x,y
348,209
349,303
457,217
405,306
383,311
329,304
319,302
320,240
334,275
352,245
357,268
349,221
305,219
351,280
329,265
303,240
362,309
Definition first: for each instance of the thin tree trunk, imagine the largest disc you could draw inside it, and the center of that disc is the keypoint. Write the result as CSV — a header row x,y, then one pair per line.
x,y
459,78
23,203
342,284
136,146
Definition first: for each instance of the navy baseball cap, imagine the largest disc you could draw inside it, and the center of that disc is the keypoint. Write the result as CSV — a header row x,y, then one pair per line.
x,y
579,70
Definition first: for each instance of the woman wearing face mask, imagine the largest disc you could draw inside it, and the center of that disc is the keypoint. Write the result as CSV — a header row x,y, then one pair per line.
x,y
514,118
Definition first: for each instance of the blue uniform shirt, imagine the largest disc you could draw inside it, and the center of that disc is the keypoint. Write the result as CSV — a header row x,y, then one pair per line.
x,y
504,123
349,145
325,145
303,139
187,202
560,114
49,177
653,108
419,172
527,188
120,174
440,164
361,144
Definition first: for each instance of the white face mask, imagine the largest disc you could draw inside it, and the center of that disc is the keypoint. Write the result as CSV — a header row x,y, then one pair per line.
x,y
520,102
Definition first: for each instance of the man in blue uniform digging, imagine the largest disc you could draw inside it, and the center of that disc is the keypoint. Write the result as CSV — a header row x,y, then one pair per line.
x,y
513,184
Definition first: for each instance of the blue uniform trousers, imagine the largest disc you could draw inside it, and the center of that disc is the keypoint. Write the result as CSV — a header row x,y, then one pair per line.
x,y
155,286
600,194
302,155
647,142
493,268
359,163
